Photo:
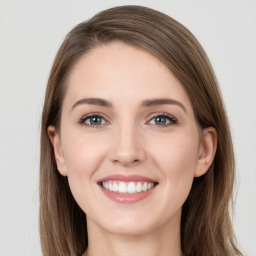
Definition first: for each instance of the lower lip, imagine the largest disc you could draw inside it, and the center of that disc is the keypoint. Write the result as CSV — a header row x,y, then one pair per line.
x,y
127,198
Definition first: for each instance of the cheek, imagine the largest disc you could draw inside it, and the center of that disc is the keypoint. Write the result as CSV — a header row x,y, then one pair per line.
x,y
82,154
83,157
176,158
176,153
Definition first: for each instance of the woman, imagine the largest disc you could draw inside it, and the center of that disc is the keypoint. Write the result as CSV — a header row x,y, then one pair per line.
x,y
136,153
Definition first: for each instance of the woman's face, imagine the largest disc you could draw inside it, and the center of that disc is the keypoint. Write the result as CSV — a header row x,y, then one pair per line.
x,y
128,140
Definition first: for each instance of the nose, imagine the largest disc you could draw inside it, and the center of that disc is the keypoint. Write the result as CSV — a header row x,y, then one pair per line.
x,y
127,147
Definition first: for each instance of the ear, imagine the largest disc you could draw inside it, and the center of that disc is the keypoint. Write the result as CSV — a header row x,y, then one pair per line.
x,y
207,150
57,147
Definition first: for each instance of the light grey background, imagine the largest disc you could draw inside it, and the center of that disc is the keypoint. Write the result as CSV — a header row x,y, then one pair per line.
x,y
30,34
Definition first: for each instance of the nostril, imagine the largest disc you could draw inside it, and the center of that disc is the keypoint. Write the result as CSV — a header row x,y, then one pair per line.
x,y
126,161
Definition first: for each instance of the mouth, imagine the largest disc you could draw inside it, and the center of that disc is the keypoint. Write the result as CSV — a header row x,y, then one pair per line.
x,y
132,187
127,189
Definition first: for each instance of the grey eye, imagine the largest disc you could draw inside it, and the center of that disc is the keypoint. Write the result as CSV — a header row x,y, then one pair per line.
x,y
94,120
160,120
163,120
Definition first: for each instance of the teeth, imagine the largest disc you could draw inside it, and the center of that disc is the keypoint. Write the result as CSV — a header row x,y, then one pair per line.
x,y
127,187
139,187
131,188
150,185
122,187
115,187
145,187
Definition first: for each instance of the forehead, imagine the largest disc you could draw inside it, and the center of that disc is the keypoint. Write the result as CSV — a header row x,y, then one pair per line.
x,y
122,73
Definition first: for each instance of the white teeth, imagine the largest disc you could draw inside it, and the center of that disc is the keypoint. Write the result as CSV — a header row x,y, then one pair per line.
x,y
150,185
131,188
139,187
115,187
122,187
145,187
127,187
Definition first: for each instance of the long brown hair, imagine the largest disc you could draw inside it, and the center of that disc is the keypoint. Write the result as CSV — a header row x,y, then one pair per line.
x,y
206,227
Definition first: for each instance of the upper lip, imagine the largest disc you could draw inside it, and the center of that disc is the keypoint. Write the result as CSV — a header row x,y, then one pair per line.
x,y
126,178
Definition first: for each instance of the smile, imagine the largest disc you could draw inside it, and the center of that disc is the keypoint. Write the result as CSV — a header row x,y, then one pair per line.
x,y
127,189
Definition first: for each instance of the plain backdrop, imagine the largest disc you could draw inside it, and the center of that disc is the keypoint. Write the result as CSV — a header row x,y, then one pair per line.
x,y
30,34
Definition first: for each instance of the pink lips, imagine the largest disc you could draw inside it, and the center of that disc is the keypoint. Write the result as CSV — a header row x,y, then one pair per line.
x,y
127,198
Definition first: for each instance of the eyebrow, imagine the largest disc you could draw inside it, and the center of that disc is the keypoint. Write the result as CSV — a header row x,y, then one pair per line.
x,y
156,102
145,103
93,101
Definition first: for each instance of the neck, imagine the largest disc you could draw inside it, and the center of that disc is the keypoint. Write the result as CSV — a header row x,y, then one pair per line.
x,y
164,241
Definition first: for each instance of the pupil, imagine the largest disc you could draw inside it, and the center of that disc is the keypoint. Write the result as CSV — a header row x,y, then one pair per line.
x,y
160,120
95,120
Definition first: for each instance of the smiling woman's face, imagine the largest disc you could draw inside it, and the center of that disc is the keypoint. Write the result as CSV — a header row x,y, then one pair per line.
x,y
128,141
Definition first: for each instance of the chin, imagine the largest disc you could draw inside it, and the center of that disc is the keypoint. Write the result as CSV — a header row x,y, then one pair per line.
x,y
129,225
129,230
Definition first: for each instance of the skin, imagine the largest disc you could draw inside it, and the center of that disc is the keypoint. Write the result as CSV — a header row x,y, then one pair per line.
x,y
130,141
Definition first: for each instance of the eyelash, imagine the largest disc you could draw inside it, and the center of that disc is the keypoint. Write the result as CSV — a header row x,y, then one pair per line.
x,y
83,119
171,118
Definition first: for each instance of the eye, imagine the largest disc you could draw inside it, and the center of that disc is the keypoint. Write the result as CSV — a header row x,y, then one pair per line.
x,y
93,120
163,120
